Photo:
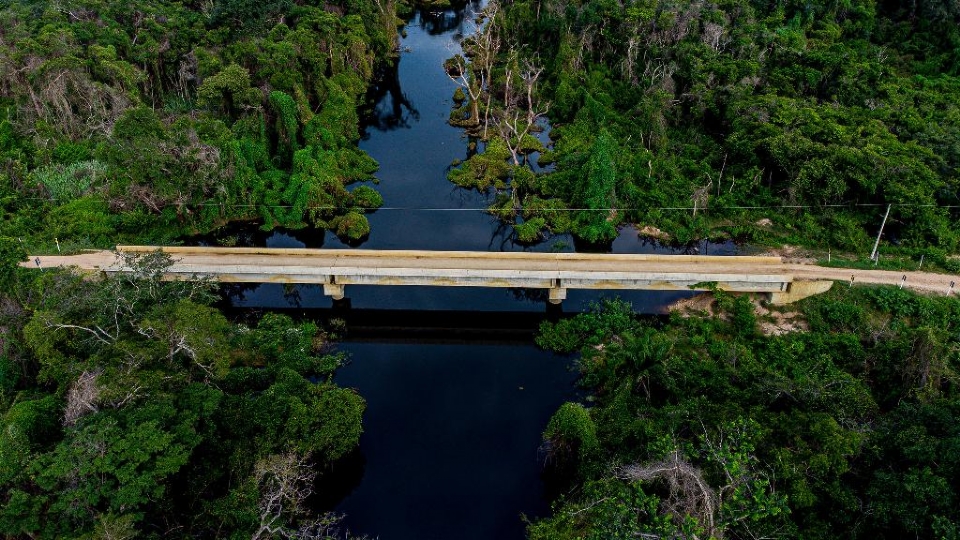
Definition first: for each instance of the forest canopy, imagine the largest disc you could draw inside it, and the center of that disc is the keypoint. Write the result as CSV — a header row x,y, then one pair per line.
x,y
744,119
131,407
146,120
834,419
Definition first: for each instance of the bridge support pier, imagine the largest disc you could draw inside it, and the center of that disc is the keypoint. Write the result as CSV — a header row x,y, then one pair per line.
x,y
557,295
333,290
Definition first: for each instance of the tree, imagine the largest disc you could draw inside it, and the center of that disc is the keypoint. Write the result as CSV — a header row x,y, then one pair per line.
x,y
229,91
595,195
12,254
284,483
476,76
160,413
522,107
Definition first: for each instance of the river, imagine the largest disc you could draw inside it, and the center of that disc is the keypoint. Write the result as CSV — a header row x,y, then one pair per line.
x,y
457,394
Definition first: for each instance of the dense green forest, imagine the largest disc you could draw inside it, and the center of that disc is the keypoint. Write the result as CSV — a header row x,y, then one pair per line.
x,y
145,120
132,408
707,426
755,120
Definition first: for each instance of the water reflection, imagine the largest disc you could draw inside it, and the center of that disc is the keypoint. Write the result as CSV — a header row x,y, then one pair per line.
x,y
291,293
391,109
440,21
503,238
249,234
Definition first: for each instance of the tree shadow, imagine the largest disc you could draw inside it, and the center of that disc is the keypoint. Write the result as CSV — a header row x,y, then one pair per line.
x,y
390,108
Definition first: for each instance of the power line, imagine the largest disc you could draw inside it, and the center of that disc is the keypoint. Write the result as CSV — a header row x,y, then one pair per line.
x,y
563,209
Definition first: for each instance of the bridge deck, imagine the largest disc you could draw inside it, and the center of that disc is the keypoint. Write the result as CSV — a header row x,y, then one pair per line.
x,y
336,268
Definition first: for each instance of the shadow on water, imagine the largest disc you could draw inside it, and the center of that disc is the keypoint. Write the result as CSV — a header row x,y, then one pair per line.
x,y
433,299
338,480
390,107
450,327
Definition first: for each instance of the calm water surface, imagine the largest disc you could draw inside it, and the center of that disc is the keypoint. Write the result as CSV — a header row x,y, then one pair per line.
x,y
451,438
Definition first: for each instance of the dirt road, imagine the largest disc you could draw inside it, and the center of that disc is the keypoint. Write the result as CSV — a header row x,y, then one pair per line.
x,y
920,281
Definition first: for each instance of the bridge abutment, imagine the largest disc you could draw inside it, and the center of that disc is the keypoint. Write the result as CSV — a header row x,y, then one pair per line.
x,y
798,290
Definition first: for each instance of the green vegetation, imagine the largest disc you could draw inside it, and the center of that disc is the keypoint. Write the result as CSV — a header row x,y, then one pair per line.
x,y
679,115
129,407
132,407
141,121
706,426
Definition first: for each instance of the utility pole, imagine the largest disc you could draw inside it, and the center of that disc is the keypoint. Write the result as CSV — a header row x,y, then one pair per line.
x,y
873,255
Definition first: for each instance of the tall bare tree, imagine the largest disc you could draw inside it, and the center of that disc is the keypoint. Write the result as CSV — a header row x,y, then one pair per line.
x,y
285,482
474,76
521,105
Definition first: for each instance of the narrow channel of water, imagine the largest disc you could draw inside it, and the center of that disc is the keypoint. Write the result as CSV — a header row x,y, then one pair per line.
x,y
457,394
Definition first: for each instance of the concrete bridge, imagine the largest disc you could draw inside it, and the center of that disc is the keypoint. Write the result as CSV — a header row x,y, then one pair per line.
x,y
335,269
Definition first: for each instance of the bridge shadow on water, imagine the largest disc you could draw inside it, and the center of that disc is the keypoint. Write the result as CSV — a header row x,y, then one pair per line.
x,y
403,326
417,301
429,315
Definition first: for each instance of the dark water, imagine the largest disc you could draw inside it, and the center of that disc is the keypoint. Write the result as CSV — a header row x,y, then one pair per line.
x,y
451,438
457,394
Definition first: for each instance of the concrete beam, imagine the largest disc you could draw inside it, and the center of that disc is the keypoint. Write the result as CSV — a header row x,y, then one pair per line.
x,y
494,269
680,282
426,255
